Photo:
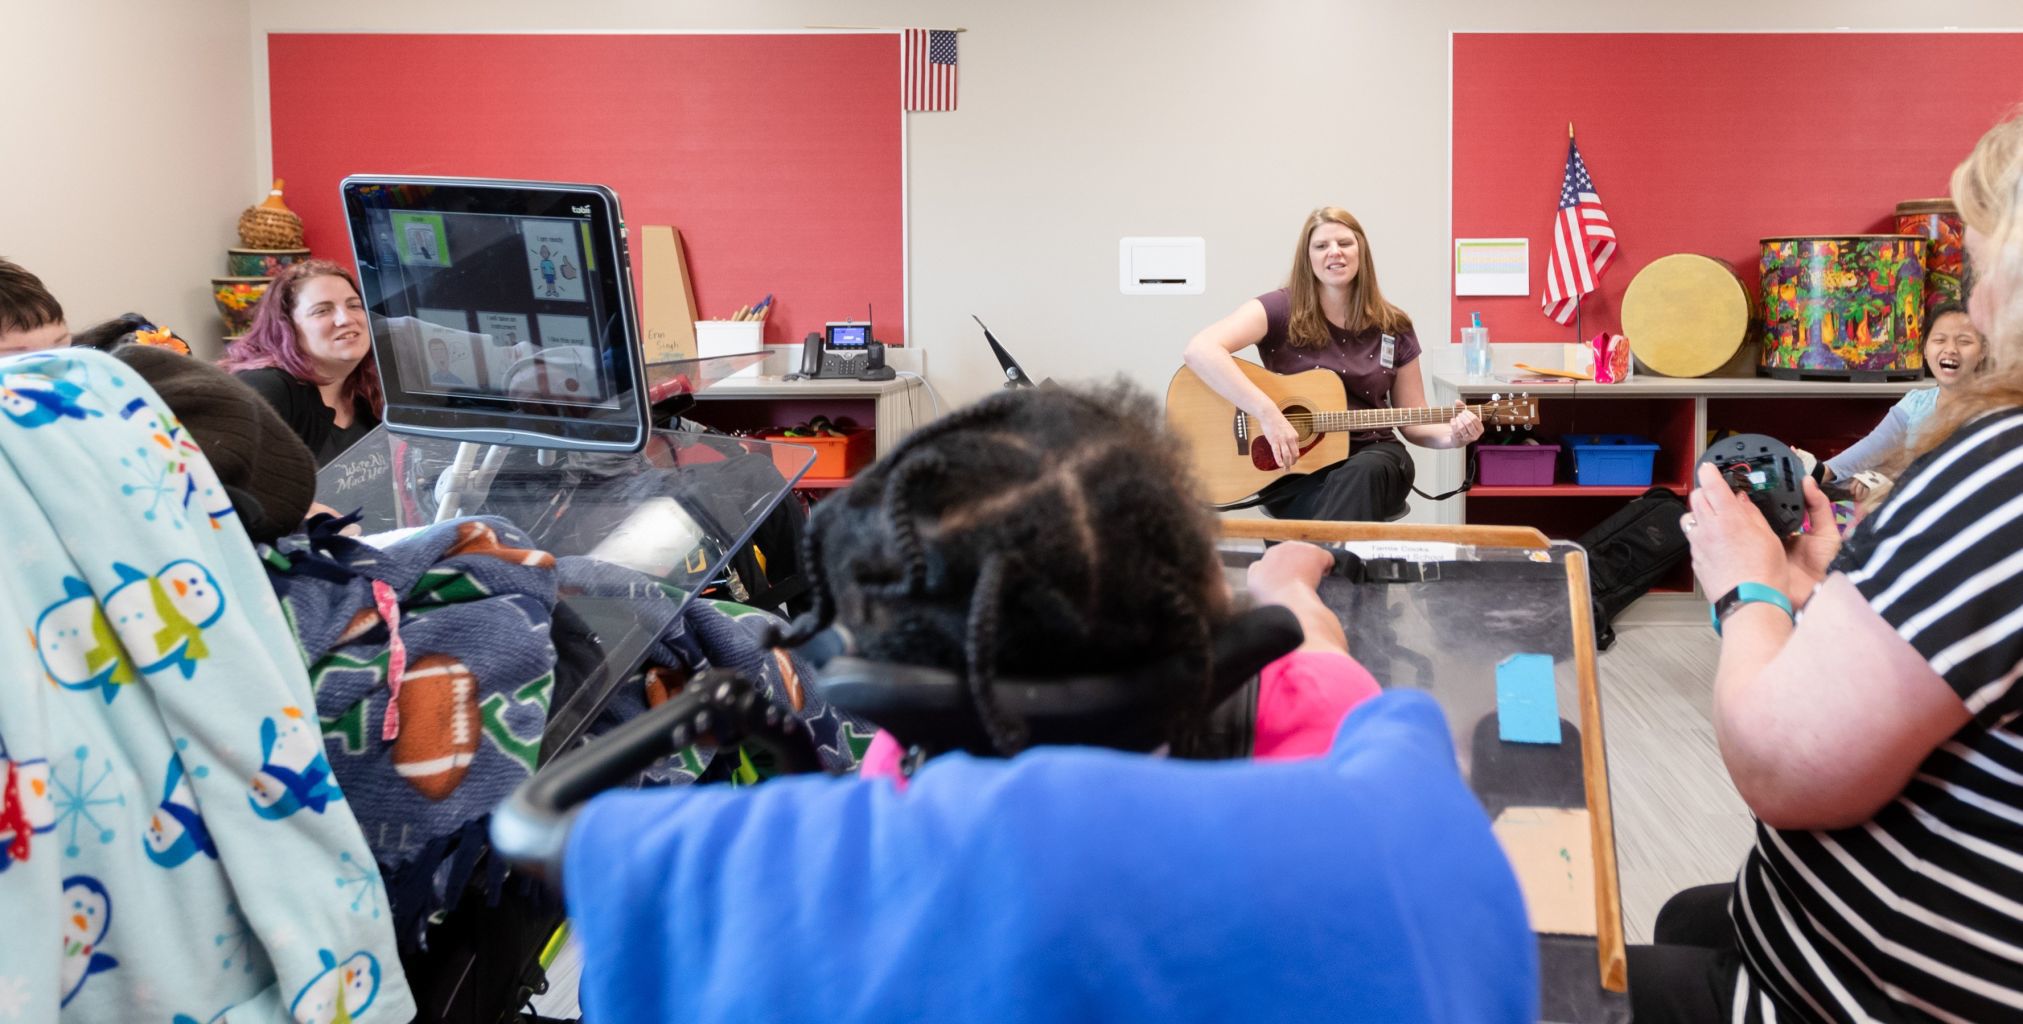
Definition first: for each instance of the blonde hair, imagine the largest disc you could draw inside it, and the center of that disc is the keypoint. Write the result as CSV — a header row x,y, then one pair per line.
x,y
1308,325
1988,189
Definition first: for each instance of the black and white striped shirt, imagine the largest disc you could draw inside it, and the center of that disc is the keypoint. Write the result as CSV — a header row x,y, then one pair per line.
x,y
1918,914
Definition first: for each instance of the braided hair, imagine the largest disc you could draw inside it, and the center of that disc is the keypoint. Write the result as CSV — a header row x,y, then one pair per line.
x,y
1034,533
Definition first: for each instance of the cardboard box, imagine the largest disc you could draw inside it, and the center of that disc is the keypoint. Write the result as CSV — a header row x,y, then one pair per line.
x,y
667,300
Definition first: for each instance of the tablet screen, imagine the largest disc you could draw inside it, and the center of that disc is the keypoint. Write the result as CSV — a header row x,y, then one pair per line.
x,y
501,310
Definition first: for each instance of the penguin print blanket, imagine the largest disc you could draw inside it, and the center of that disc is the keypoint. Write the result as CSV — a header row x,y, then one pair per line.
x,y
173,844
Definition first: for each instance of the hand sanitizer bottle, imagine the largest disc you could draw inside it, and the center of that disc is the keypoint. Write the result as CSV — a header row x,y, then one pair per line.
x,y
1475,349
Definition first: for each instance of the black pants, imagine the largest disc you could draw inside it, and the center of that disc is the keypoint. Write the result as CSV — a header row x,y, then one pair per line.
x,y
1369,486
1689,975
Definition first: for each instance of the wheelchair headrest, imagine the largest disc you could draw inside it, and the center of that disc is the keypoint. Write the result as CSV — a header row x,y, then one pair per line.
x,y
930,707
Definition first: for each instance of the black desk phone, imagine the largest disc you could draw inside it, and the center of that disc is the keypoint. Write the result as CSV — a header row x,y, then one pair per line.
x,y
844,349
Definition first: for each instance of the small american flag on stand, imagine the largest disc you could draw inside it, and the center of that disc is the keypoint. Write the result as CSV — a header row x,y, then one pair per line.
x,y
1582,240
927,69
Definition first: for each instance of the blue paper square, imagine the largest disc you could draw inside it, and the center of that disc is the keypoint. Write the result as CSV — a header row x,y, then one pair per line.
x,y
1527,702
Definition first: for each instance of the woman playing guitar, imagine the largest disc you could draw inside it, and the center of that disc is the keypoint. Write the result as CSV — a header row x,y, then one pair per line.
x,y
1330,315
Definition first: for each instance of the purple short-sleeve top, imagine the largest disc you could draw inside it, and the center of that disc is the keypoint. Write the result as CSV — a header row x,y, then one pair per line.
x,y
1356,356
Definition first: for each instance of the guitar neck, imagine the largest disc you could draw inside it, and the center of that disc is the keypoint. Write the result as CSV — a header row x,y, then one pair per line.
x,y
1379,419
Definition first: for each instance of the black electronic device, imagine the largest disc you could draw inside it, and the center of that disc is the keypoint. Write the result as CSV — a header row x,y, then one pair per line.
x,y
502,311
1764,470
846,350
841,350
1014,374
874,364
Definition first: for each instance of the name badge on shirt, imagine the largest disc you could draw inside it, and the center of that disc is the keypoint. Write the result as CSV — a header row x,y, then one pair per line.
x,y
1388,355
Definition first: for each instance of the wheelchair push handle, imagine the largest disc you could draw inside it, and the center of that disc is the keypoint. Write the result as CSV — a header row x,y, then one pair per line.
x,y
719,707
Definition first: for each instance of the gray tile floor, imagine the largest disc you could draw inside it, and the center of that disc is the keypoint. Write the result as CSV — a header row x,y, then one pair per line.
x,y
1678,820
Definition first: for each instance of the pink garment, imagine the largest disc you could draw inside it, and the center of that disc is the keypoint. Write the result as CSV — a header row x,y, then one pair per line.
x,y
883,760
1302,699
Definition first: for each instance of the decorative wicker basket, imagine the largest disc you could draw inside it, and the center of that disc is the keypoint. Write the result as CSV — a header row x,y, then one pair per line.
x,y
270,225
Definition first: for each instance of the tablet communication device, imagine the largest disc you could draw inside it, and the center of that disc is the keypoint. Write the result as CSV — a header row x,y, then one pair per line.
x,y
502,311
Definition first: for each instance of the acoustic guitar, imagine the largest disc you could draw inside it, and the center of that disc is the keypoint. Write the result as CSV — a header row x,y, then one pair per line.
x,y
1233,459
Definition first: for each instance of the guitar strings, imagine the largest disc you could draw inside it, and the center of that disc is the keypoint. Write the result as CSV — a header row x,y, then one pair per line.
x,y
1358,417
1355,418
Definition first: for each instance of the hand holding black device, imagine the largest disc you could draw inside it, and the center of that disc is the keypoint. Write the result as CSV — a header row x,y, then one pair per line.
x,y
1767,472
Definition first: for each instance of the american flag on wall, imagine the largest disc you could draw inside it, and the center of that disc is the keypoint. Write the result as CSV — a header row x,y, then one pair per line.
x,y
927,75
1582,241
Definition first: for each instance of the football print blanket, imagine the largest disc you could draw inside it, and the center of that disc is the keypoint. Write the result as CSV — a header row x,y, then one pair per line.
x,y
173,846
434,722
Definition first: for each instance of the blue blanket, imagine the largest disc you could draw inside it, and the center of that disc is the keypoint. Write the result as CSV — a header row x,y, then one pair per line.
x,y
175,844
1065,884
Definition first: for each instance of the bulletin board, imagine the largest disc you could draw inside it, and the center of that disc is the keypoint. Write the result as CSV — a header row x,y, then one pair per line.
x,y
779,156
1708,142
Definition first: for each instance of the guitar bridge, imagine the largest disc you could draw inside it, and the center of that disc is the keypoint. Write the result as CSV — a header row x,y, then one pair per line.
x,y
1240,429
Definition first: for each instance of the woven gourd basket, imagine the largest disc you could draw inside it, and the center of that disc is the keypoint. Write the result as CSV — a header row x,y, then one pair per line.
x,y
270,225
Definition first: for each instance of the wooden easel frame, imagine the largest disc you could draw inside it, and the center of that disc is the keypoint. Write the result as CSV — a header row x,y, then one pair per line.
x,y
1609,943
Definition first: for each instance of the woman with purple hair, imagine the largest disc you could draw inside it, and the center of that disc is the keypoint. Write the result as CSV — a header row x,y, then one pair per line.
x,y
309,354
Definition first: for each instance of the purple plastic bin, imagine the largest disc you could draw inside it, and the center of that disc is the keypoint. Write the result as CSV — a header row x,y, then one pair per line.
x,y
1515,465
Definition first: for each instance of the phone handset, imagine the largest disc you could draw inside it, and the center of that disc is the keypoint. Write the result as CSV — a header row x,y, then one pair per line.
x,y
811,355
874,363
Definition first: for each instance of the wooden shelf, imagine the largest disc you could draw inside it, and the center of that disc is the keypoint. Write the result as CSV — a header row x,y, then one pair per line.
x,y
1566,491
1679,415
1653,386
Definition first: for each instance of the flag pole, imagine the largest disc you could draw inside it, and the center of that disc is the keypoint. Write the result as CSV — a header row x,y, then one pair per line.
x,y
1577,300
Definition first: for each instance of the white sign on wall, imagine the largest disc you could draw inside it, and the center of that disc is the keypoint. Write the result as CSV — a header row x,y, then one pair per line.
x,y
1492,266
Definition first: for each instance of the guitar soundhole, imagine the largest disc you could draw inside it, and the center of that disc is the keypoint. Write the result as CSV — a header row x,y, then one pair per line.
x,y
1302,420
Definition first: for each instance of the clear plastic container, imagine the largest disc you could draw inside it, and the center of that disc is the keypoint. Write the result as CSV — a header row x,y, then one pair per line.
x,y
1475,352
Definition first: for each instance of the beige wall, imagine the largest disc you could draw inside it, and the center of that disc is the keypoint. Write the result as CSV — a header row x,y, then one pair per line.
x,y
126,142
1081,122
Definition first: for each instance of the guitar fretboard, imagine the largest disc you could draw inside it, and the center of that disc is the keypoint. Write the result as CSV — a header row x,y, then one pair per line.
x,y
1372,419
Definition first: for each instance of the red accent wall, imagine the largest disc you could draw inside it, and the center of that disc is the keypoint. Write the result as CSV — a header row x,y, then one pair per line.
x,y
1706,143
779,157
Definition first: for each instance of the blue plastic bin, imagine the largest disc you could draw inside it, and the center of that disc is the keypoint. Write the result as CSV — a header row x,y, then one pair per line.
x,y
1611,460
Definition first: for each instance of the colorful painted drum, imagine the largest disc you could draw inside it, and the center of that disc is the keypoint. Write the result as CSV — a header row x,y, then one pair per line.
x,y
1844,307
1945,252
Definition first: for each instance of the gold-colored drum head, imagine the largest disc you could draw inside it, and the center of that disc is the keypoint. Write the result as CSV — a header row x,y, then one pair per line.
x,y
1685,315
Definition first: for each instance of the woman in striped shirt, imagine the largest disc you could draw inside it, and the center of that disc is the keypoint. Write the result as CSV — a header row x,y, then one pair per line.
x,y
1877,737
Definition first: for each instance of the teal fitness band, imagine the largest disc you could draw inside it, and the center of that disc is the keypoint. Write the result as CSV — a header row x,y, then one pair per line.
x,y
1748,593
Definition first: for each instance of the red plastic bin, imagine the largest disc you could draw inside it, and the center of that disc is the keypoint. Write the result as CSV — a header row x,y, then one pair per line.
x,y
835,457
1515,465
